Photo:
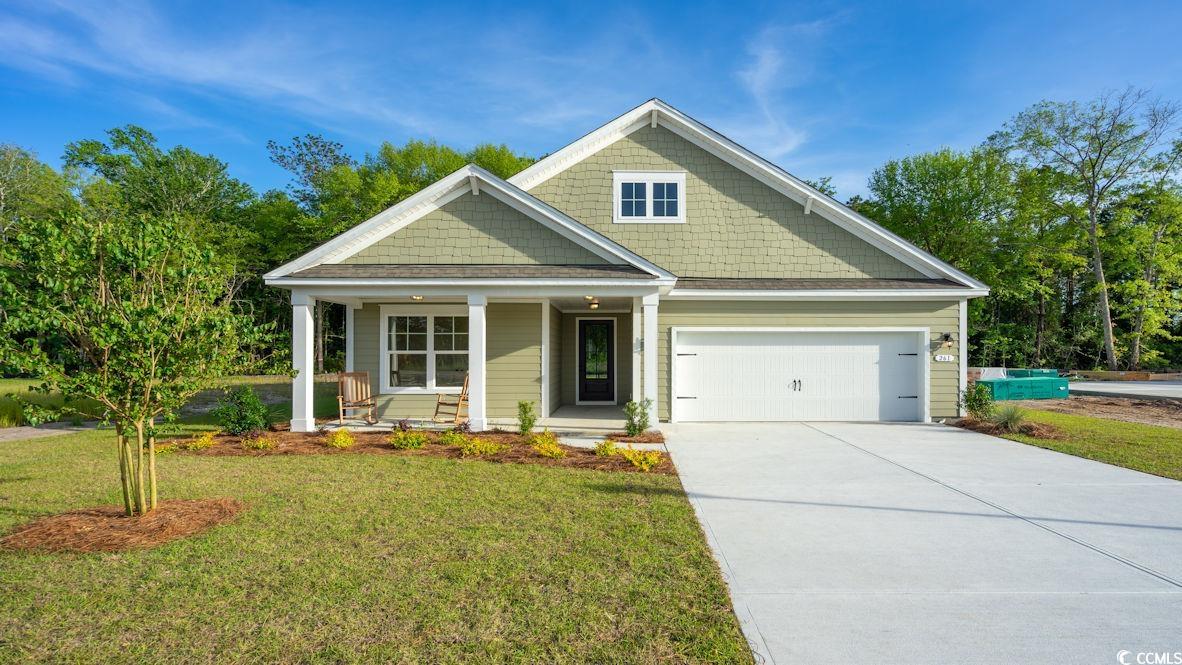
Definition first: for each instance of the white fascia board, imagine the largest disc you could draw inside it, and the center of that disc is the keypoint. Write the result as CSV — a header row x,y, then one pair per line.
x,y
449,188
296,282
825,294
752,164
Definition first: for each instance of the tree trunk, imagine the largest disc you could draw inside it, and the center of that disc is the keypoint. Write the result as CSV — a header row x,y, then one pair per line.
x,y
1040,325
1151,282
1102,290
141,501
152,470
320,336
124,468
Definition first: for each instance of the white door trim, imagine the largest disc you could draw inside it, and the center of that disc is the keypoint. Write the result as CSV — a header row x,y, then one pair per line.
x,y
615,362
923,339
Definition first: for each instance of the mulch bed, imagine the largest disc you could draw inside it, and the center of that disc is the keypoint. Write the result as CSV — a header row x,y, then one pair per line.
x,y
107,529
375,443
1036,430
651,436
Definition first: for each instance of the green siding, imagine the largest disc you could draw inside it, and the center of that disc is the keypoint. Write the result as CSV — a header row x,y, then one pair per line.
x,y
735,225
514,348
555,352
940,317
475,229
570,359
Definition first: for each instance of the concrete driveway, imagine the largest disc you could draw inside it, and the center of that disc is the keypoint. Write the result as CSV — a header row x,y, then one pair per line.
x,y
868,543
1145,389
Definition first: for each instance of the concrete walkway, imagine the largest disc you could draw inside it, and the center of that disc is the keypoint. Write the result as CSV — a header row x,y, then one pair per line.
x,y
852,543
1144,389
52,429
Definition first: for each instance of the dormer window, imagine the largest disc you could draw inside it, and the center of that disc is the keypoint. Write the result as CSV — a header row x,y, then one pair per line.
x,y
649,197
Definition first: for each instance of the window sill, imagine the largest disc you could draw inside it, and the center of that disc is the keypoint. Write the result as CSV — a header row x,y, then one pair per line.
x,y
654,220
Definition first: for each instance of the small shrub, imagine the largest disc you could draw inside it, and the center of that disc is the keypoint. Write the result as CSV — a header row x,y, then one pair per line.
x,y
404,425
977,401
1009,418
607,448
636,416
200,442
453,438
240,411
340,439
527,417
645,460
478,447
259,441
405,439
546,444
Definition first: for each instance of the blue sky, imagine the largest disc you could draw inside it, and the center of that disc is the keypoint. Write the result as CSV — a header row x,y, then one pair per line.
x,y
823,89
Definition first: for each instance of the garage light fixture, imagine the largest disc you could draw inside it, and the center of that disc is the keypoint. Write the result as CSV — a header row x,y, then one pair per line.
x,y
947,339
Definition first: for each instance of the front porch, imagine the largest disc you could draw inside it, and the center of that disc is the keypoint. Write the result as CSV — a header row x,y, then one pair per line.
x,y
579,353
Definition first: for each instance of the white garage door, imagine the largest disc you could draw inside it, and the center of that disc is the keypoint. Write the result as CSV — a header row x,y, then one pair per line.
x,y
793,375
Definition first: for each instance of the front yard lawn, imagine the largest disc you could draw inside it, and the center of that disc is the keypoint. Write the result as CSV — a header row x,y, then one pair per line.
x,y
367,557
1148,448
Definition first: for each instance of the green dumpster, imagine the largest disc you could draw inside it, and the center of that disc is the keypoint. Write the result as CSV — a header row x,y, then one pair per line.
x,y
1031,373
1041,387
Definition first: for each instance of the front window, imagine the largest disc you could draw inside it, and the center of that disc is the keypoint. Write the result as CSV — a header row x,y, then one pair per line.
x,y
649,197
424,351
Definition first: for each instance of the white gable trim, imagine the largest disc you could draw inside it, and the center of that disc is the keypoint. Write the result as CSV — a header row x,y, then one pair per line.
x,y
447,189
748,162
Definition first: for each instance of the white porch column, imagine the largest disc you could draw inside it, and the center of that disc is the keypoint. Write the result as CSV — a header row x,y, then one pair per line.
x,y
637,350
649,304
302,331
350,353
477,387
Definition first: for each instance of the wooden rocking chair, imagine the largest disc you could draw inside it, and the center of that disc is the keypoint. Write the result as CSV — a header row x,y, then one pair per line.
x,y
354,394
453,407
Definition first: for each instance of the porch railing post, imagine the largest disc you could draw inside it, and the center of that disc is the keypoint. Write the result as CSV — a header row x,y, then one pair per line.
x,y
477,345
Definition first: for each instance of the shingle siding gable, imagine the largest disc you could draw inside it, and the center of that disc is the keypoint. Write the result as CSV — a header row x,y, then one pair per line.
x,y
735,225
474,230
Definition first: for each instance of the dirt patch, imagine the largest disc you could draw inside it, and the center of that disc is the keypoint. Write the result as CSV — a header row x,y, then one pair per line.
x,y
1164,412
1036,430
107,529
375,443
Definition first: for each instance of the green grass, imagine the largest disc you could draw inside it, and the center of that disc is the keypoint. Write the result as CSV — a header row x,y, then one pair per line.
x,y
367,558
1148,448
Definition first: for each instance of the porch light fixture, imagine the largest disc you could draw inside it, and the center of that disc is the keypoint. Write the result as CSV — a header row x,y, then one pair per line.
x,y
416,298
588,298
594,305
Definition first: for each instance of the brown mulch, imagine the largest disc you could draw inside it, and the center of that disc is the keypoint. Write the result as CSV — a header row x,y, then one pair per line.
x,y
1036,430
107,529
1163,412
651,436
375,443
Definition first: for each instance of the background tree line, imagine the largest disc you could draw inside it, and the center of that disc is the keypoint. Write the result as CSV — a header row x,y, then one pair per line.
x,y
1071,213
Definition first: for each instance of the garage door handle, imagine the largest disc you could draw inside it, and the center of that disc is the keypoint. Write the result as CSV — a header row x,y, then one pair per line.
x,y
909,354
687,354
679,397
908,396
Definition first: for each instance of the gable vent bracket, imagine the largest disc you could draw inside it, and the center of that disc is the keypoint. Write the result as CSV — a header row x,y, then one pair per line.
x,y
808,204
652,119
475,184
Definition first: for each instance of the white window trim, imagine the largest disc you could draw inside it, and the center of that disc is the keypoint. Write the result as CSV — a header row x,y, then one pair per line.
x,y
648,177
429,311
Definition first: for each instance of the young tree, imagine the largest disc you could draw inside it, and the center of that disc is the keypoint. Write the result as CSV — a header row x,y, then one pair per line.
x,y
148,318
1101,146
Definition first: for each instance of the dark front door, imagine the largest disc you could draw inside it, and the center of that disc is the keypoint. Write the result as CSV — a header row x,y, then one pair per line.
x,y
597,360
